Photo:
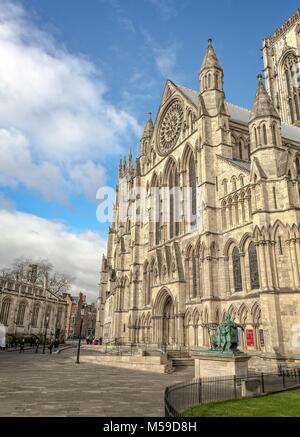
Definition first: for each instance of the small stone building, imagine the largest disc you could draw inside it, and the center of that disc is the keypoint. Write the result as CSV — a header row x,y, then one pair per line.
x,y
24,306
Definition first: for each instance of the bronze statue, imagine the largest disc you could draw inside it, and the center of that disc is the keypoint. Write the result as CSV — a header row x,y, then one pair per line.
x,y
225,339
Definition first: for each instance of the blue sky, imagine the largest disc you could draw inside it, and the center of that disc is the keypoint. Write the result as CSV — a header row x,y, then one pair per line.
x,y
77,79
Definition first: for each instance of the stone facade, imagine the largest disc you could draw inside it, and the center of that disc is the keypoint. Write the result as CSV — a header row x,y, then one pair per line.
x,y
230,243
24,306
281,54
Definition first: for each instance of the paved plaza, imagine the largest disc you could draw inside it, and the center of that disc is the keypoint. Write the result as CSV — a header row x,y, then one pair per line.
x,y
53,385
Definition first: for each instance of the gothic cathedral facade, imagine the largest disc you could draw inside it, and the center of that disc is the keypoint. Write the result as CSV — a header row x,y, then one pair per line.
x,y
167,278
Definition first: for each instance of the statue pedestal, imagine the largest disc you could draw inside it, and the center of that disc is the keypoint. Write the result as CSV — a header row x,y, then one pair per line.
x,y
212,365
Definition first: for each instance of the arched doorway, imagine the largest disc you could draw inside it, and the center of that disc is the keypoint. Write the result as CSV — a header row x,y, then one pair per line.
x,y
164,319
168,322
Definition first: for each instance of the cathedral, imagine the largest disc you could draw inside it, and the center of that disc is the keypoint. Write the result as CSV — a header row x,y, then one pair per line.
x,y
213,217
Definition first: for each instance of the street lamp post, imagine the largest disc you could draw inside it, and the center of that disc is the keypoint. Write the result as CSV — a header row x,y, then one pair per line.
x,y
45,335
80,330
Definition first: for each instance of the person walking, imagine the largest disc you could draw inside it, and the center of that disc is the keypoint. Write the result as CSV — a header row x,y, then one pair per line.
x,y
51,345
56,344
22,345
37,344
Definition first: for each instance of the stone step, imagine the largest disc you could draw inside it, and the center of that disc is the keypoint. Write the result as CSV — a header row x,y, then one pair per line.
x,y
176,362
178,354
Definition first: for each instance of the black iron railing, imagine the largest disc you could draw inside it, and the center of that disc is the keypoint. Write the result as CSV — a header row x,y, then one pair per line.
x,y
182,396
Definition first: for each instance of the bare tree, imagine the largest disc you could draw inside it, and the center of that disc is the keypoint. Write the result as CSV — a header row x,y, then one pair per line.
x,y
60,283
27,269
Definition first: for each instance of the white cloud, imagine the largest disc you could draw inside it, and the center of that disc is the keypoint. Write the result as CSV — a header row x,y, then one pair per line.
x,y
78,254
16,167
6,203
86,178
53,102
166,8
165,56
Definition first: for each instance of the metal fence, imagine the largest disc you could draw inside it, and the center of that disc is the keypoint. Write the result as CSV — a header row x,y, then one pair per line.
x,y
182,396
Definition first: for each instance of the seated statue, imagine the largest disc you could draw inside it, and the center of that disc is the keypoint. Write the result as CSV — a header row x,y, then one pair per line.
x,y
226,337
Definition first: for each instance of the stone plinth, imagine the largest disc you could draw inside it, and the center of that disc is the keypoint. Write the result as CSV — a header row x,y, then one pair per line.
x,y
137,362
213,365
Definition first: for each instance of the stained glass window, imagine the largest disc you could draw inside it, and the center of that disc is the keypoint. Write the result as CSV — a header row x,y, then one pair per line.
x,y
237,272
194,276
253,266
193,188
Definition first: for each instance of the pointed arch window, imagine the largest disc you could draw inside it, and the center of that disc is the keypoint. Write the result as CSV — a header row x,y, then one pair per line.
x,y
35,316
253,266
298,167
21,314
256,136
155,216
248,152
292,86
194,275
237,272
173,202
265,138
241,149
5,310
193,191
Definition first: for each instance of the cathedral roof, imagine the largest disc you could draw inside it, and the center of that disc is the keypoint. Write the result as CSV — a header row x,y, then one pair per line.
x,y
242,115
262,105
243,165
210,58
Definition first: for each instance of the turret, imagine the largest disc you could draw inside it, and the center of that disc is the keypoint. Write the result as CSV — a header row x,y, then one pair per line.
x,y
147,134
265,123
211,80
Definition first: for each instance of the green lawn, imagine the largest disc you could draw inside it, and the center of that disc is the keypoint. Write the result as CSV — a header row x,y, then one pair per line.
x,y
286,404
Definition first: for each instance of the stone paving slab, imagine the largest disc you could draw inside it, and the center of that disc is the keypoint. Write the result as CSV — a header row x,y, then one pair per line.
x,y
53,385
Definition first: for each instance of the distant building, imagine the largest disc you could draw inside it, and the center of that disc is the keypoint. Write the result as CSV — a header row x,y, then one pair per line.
x,y
75,305
25,305
89,320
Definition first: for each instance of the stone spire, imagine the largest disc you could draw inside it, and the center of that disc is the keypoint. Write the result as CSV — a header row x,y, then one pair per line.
x,y
148,131
210,58
262,106
130,159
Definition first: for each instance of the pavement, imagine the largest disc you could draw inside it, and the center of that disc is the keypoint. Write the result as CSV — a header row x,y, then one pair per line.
x,y
53,385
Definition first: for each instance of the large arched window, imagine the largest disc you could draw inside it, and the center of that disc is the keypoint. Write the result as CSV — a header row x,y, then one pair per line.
x,y
253,266
194,275
5,310
193,192
292,87
237,272
155,215
173,183
21,314
35,316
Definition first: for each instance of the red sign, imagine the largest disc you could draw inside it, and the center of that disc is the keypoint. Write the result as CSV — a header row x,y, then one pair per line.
x,y
250,337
